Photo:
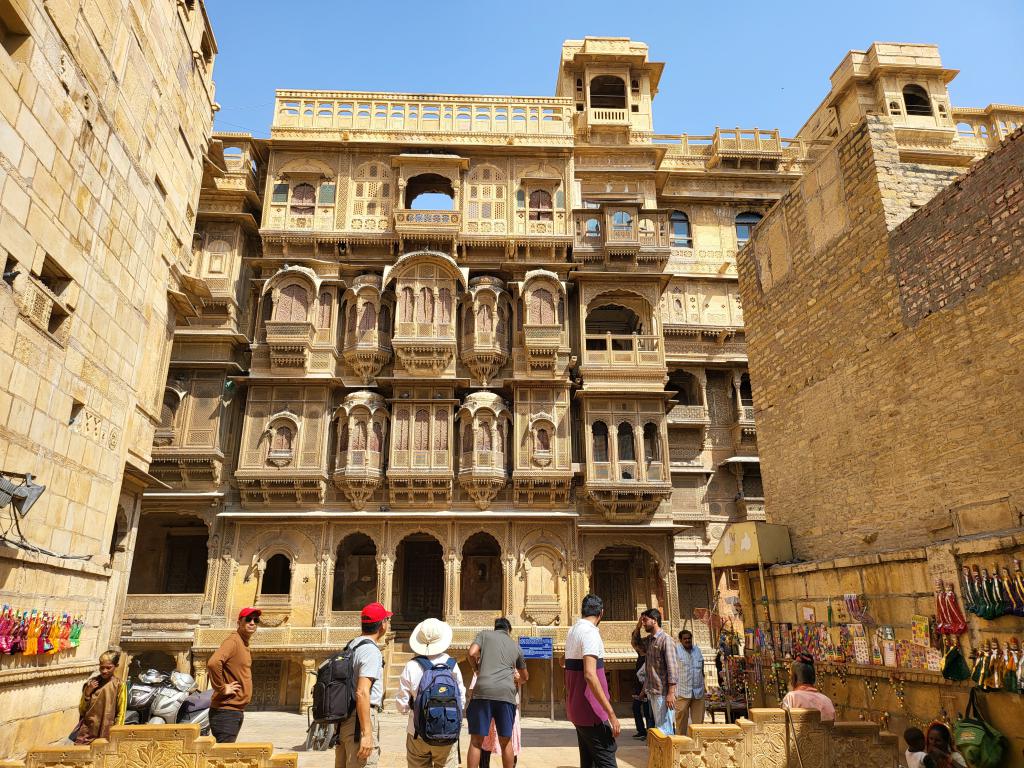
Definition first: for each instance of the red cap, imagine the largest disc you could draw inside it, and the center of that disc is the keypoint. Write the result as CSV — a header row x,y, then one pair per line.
x,y
374,612
246,612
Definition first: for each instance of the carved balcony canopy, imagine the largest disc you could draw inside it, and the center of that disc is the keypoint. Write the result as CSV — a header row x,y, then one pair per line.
x,y
362,428
368,326
484,426
543,336
486,327
288,312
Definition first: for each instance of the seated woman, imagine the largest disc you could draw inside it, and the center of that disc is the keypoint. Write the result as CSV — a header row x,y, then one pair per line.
x,y
940,746
802,693
103,702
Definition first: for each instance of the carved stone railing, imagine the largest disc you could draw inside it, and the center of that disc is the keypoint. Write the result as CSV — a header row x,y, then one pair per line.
x,y
605,116
745,414
766,741
150,746
289,342
751,507
628,351
688,414
442,223
178,605
415,117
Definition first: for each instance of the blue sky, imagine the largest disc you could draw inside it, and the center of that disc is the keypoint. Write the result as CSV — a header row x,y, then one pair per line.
x,y
738,63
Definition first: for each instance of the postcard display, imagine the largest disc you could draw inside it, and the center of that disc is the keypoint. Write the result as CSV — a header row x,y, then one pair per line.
x,y
857,640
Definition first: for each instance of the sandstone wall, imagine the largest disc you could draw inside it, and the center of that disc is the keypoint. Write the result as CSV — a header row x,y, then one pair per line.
x,y
904,425
105,116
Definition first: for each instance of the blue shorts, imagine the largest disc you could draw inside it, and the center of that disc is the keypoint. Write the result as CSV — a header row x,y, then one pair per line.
x,y
480,712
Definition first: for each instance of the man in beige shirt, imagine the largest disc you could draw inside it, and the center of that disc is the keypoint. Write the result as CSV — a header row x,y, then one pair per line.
x,y
230,670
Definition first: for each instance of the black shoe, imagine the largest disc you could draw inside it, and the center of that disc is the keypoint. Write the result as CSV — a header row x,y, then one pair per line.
x,y
639,735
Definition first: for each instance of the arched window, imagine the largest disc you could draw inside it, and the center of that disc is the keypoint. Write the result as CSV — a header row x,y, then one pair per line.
x,y
441,431
917,100
499,446
608,92
600,430
281,439
483,437
402,427
355,573
377,438
745,224
277,576
293,306
593,229
407,305
543,439
621,221
444,314
484,319
652,446
359,436
646,229
368,319
323,310
540,205
352,317
681,237
746,393
421,438
541,309
485,207
425,306
169,410
385,319
303,200
371,194
467,438
627,448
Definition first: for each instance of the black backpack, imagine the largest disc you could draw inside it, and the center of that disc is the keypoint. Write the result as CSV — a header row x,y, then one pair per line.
x,y
334,692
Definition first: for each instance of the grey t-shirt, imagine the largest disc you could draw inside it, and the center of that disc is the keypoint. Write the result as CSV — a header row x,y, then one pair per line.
x,y
499,656
367,661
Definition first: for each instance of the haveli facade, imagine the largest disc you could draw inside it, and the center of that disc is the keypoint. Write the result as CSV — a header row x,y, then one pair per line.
x,y
489,406
106,112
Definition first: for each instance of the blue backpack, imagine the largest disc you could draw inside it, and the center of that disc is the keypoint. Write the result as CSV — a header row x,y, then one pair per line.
x,y
438,707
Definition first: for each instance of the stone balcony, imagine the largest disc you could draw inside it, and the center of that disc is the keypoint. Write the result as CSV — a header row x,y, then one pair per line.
x,y
427,225
163,617
414,118
688,416
289,343
361,476
751,507
632,493
184,466
367,352
482,474
622,359
640,241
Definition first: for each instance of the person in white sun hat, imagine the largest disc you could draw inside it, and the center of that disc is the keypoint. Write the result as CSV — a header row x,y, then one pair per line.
x,y
426,692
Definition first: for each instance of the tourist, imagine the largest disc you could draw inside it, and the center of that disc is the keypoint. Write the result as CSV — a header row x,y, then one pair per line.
x,y
915,752
103,702
586,689
495,657
230,671
430,640
802,693
643,718
491,746
940,740
660,669
361,748
690,690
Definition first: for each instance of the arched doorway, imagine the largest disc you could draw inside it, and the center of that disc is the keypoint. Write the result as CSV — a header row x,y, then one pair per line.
x,y
481,585
170,555
355,573
626,578
419,579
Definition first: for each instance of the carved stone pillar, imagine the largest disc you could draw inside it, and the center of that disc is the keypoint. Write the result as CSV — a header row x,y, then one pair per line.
x,y
213,564
308,665
613,449
452,586
199,665
182,662
508,587
385,574
668,577
324,581
737,381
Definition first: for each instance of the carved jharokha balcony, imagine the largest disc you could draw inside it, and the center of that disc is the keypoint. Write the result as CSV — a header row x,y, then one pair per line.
x,y
367,352
688,415
482,474
484,352
625,498
623,357
289,343
622,236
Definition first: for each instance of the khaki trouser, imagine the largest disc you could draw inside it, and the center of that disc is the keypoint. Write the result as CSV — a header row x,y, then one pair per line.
x,y
419,754
346,754
692,707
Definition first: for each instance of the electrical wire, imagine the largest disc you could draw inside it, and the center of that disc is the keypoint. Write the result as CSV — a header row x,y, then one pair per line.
x,y
23,543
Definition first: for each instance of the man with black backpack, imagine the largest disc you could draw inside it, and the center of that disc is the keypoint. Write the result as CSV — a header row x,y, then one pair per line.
x,y
432,691
349,689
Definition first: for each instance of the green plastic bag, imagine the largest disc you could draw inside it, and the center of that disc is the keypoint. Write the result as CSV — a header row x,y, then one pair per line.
x,y
981,745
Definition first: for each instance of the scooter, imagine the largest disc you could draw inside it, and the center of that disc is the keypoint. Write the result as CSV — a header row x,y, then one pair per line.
x,y
141,695
178,702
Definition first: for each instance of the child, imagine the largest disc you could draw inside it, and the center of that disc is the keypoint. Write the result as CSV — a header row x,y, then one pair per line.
x,y
914,737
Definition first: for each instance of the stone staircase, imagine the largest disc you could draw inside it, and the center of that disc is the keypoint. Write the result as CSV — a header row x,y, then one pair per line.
x,y
400,654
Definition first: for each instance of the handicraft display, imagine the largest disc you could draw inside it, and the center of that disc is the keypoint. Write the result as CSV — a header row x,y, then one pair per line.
x,y
35,633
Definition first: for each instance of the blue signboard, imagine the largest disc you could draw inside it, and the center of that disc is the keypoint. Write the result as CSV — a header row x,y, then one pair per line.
x,y
537,647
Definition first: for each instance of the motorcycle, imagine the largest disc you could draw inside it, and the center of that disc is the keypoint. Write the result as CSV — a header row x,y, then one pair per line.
x,y
160,699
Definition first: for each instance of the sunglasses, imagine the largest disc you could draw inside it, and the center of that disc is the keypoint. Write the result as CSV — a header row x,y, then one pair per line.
x,y
252,620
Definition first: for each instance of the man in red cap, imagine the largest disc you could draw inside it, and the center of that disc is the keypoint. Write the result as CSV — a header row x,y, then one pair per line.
x,y
230,670
359,736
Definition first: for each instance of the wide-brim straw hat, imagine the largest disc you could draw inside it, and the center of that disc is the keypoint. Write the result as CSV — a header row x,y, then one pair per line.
x,y
431,636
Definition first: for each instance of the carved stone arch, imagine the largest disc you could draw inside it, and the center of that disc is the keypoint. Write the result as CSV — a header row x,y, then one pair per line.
x,y
405,532
408,261
376,535
293,273
543,537
477,169
465,534
592,549
306,166
542,172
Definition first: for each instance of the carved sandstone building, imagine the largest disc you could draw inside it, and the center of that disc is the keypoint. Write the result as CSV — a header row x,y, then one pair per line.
x,y
105,118
469,356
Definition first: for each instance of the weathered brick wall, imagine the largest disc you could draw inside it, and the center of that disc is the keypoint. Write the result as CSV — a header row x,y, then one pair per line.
x,y
907,434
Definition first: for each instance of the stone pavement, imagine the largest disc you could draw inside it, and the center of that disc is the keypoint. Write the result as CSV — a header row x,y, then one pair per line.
x,y
546,744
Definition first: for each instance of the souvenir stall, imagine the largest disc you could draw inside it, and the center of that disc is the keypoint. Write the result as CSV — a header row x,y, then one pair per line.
x,y
745,671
